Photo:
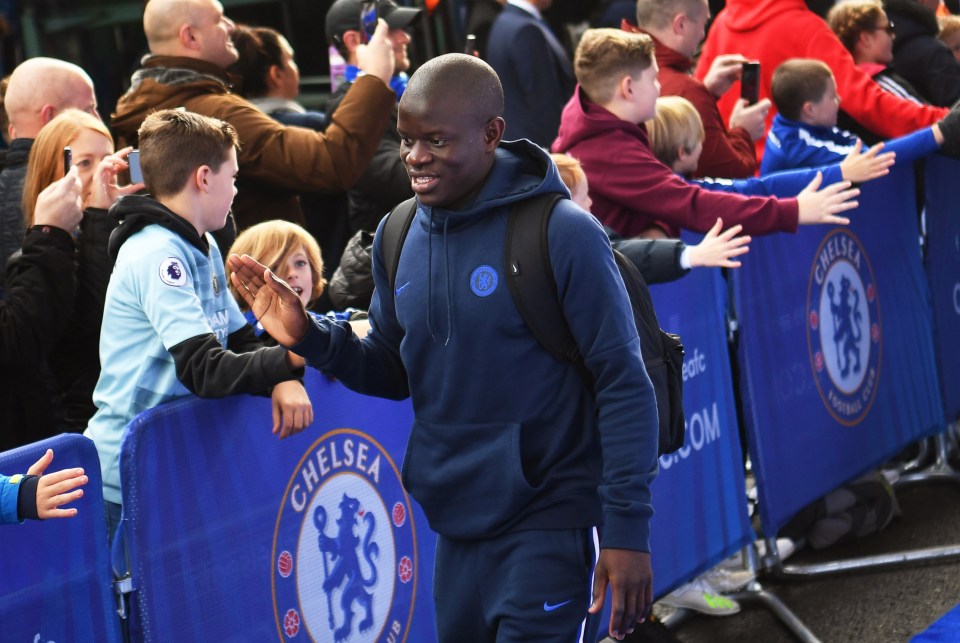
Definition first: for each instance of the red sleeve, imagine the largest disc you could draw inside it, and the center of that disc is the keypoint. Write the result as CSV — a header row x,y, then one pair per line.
x,y
877,110
641,185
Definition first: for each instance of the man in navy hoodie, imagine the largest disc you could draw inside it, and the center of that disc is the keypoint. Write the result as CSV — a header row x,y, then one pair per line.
x,y
511,457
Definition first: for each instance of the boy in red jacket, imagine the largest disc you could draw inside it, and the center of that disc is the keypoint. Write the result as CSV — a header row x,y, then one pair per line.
x,y
634,193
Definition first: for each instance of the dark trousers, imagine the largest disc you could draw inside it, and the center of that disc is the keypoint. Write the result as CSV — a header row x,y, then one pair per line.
x,y
525,586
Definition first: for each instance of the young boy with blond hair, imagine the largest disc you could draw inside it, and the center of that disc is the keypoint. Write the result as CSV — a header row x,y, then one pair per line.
x,y
171,327
805,133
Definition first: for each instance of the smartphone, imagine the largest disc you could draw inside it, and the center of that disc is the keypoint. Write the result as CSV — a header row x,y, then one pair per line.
x,y
470,48
67,159
136,175
750,82
368,19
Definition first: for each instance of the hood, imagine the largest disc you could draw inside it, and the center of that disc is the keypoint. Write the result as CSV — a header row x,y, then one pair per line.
x,y
136,212
165,82
584,119
910,20
746,15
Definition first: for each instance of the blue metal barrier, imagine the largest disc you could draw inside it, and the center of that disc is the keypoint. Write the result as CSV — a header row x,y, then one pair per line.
x,y
836,350
55,580
943,270
237,536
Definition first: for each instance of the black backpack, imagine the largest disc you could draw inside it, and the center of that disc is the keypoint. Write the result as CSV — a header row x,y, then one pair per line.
x,y
533,287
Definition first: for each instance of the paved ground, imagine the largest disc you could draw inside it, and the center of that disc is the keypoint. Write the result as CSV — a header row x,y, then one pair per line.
x,y
865,607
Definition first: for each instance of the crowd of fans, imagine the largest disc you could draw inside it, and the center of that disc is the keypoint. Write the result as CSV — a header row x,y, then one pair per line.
x,y
312,187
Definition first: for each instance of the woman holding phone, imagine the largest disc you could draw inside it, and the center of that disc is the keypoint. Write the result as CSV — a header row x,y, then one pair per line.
x,y
74,362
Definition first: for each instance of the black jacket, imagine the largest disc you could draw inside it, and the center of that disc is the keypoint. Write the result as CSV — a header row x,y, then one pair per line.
x,y
75,362
385,182
919,57
40,296
11,199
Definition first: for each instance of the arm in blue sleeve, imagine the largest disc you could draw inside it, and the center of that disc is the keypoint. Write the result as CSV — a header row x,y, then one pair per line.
x,y
783,184
589,281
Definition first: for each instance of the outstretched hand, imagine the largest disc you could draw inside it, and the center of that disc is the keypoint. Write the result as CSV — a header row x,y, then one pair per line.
x,y
860,167
717,250
56,489
822,206
275,305
631,588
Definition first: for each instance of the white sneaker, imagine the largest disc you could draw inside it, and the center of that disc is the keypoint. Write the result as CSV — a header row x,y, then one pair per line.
x,y
728,580
698,595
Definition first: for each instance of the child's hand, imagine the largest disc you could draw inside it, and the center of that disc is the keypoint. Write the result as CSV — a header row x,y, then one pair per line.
x,y
292,410
821,206
860,168
54,490
717,250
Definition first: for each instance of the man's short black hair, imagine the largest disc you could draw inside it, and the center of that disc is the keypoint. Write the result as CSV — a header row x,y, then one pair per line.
x,y
460,76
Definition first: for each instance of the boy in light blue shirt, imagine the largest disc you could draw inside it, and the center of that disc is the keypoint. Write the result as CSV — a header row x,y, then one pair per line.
x,y
171,327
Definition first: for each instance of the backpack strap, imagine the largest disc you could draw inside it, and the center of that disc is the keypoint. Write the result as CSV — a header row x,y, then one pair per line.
x,y
395,230
530,276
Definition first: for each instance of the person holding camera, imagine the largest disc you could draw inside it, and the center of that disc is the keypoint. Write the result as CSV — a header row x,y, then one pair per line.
x,y
677,28
190,51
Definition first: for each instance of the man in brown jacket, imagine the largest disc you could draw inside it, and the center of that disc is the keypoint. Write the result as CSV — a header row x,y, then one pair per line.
x,y
190,50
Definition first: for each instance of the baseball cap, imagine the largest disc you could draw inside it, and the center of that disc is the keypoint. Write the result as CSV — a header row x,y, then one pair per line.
x,y
344,15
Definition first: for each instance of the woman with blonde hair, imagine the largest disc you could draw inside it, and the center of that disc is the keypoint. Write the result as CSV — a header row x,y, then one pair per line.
x,y
74,361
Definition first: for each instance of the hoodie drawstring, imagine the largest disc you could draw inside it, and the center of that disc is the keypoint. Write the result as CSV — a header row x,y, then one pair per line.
x,y
446,269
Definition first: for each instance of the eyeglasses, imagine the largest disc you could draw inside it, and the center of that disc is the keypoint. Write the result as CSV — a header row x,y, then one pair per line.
x,y
887,27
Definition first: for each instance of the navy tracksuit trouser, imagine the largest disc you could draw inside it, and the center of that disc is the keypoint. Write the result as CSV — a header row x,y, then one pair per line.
x,y
525,586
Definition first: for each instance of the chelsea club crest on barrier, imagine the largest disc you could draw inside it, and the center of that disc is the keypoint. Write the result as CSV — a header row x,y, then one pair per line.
x,y
843,327
344,557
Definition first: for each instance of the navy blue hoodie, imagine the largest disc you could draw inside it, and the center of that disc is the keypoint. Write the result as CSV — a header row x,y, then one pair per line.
x,y
505,437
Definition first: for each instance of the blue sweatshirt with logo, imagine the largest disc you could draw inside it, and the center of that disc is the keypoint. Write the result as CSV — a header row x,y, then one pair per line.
x,y
505,437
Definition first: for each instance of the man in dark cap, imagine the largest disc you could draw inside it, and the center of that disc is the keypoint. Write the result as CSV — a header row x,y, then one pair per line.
x,y
385,183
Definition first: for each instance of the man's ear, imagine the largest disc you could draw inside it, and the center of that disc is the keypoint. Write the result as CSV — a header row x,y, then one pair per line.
x,y
47,112
187,38
493,132
679,23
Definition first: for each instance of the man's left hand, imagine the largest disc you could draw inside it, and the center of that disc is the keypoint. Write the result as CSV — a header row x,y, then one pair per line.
x,y
724,71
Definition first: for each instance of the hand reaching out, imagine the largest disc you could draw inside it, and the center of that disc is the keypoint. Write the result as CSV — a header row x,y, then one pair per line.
x,y
822,205
718,249
275,305
860,167
56,489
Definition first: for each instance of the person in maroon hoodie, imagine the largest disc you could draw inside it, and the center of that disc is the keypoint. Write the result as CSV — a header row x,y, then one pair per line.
x,y
773,31
677,28
634,193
